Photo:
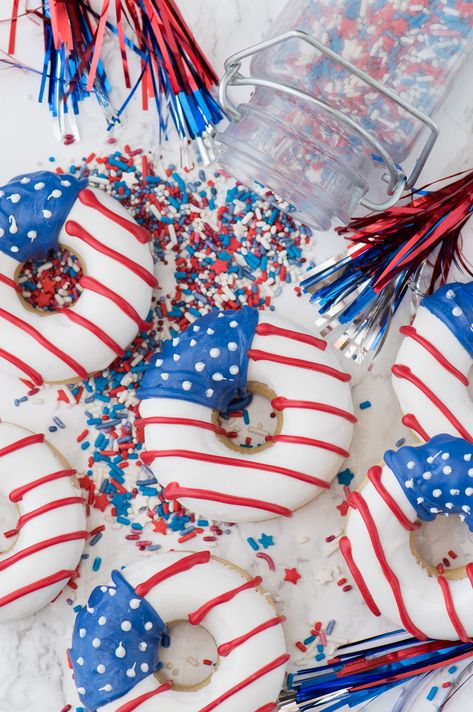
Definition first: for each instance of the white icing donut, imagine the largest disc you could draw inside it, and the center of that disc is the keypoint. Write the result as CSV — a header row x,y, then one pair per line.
x,y
415,483
182,443
117,284
178,586
430,376
51,527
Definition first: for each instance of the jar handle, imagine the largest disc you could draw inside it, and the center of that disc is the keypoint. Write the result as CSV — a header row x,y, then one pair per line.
x,y
398,182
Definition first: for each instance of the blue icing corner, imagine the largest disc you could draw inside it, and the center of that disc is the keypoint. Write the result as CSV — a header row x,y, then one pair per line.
x,y
33,209
453,304
437,478
207,363
115,643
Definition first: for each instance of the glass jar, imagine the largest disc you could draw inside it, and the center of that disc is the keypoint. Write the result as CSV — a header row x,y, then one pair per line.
x,y
344,89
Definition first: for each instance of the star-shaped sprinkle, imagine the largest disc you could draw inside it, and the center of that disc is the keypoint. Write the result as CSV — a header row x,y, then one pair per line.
x,y
292,576
159,525
345,477
266,540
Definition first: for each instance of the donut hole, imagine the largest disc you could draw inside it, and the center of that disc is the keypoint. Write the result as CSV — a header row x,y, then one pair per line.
x,y
437,543
253,427
8,521
53,283
191,657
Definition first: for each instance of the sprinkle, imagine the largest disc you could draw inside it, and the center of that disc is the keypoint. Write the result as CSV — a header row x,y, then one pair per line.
x,y
252,543
432,693
365,404
268,559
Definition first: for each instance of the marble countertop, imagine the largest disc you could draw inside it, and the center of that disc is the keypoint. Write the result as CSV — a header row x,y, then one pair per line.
x,y
35,677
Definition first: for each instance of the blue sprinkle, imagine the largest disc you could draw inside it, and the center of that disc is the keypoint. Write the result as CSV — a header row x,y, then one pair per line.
x,y
97,563
364,405
432,693
252,543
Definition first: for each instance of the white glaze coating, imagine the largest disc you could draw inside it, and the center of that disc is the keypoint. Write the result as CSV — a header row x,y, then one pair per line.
x,y
421,593
450,391
18,469
175,598
286,381
78,342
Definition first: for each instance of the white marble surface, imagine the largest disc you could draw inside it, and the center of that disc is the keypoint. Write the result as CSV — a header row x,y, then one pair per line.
x,y
32,653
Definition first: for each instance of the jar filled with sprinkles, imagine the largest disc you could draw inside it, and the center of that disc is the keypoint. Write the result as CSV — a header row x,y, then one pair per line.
x,y
346,93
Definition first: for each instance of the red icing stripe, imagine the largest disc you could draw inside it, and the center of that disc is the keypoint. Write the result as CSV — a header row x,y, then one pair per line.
x,y
16,495
22,366
62,575
281,660
281,403
226,648
174,491
9,282
410,421
20,444
34,548
202,557
75,230
270,707
357,502
35,334
345,548
257,355
469,572
151,455
198,616
374,475
411,332
270,330
49,507
405,372
298,440
88,198
94,286
94,329
134,704
192,422
452,614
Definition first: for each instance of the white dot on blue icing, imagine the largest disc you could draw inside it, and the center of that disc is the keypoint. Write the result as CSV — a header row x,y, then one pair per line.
x,y
125,626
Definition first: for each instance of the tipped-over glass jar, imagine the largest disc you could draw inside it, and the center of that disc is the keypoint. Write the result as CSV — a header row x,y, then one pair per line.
x,y
344,89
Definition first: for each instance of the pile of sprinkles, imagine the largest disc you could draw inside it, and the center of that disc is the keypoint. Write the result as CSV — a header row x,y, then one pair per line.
x,y
215,244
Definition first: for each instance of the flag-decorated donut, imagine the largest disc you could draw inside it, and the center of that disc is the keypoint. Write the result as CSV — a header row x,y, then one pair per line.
x,y
38,212
430,376
117,636
201,372
49,535
415,485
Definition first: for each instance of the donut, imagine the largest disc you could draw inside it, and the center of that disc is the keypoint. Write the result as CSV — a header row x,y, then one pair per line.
x,y
116,638
213,365
38,212
51,526
430,376
415,485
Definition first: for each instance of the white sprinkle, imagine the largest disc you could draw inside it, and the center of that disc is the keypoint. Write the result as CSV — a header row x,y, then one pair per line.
x,y
445,455
131,672
39,186
214,353
410,484
120,652
450,294
209,392
434,510
234,370
427,475
233,324
148,625
81,690
420,500
449,505
82,632
447,470
469,491
102,620
80,661
14,248
25,180
470,472
56,193
186,385
210,332
411,465
192,342
217,376
437,492
176,357
454,492
232,346
2,232
144,667
46,214
466,508
32,234
159,362
101,669
175,341
96,643
457,311
165,376
143,647
196,327
135,603
106,688
199,366
13,229
66,183
126,626
112,591
14,197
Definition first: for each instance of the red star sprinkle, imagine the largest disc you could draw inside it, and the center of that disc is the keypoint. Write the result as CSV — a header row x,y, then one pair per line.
x,y
101,502
292,575
159,525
